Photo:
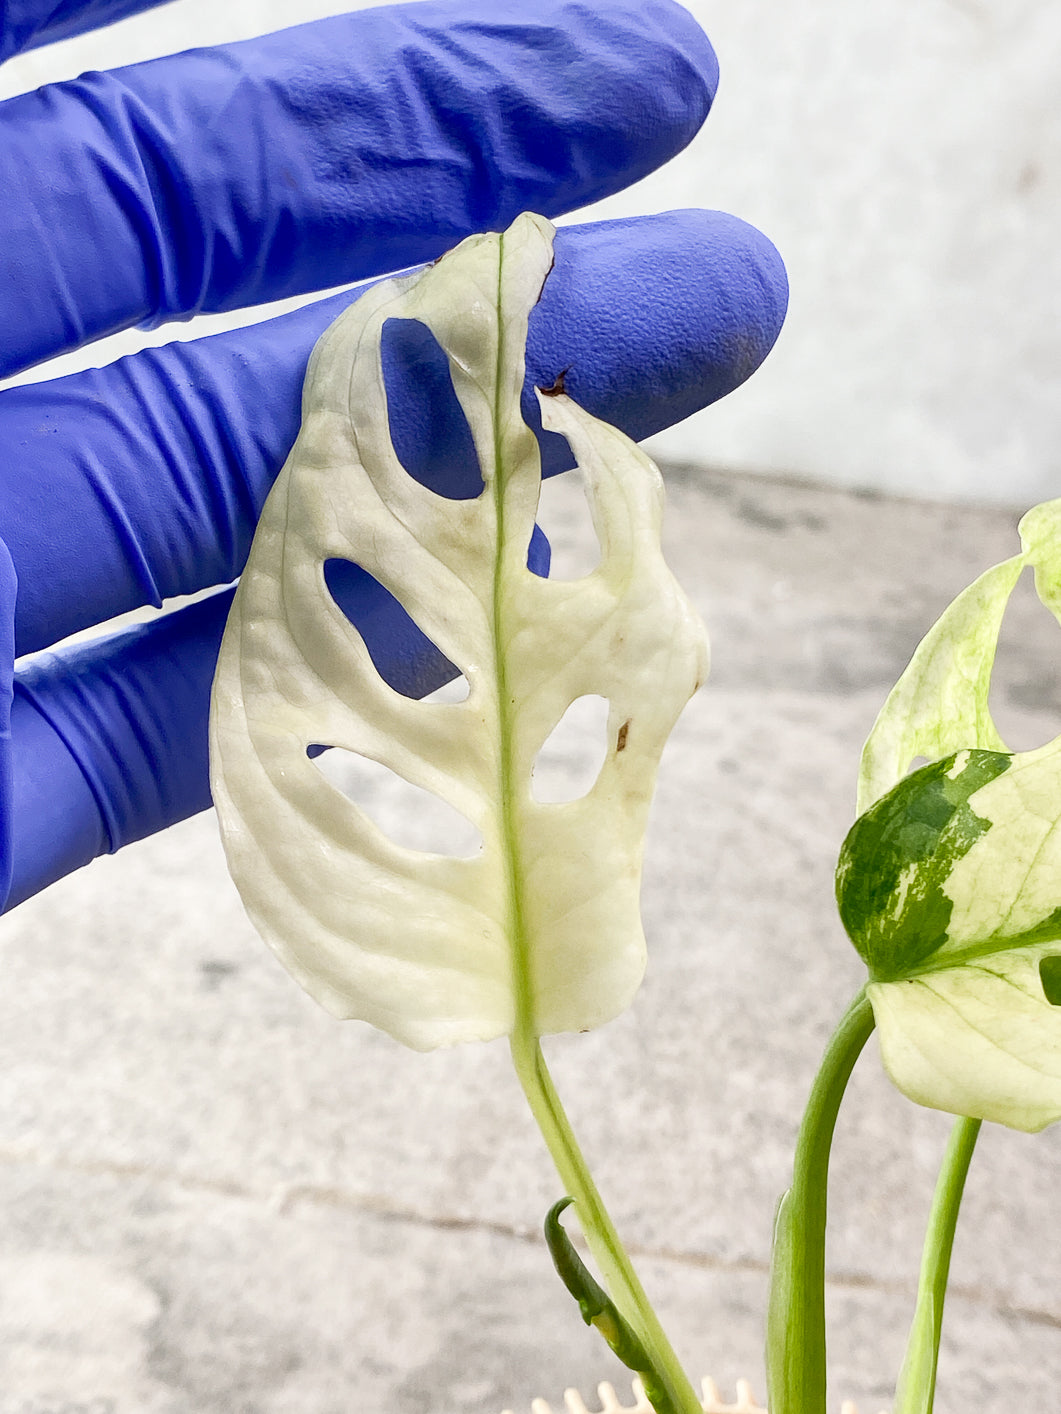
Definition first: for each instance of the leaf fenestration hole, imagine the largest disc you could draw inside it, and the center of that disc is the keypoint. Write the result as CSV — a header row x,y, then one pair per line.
x,y
403,655
1050,977
564,516
1026,681
456,690
410,816
570,759
429,431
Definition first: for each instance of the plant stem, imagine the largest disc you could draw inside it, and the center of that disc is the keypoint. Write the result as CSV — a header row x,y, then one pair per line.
x,y
624,1286
795,1335
916,1389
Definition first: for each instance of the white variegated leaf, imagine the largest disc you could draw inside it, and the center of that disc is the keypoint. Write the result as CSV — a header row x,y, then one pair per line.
x,y
940,704
541,929
977,1039
950,888
949,883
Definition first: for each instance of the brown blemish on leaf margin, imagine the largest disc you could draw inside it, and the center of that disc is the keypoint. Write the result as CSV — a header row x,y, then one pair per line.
x,y
556,388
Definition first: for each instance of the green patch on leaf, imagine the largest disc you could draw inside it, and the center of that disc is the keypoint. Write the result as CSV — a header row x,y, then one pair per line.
x,y
1050,977
897,858
950,888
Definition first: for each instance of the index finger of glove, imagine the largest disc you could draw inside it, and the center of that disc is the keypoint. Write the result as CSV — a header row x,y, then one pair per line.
x,y
324,154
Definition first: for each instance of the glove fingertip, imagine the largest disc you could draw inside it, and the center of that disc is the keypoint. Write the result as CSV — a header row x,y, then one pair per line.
x,y
654,318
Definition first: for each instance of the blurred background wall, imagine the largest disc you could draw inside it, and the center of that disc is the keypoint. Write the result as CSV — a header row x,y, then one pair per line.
x,y
905,156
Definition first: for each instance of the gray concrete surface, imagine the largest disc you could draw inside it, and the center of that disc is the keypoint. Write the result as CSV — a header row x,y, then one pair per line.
x,y
217,1200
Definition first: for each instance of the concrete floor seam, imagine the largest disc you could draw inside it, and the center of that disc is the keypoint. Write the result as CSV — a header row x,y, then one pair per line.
x,y
284,1201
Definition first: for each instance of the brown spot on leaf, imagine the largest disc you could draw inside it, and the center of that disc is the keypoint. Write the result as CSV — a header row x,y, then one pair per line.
x,y
552,267
620,740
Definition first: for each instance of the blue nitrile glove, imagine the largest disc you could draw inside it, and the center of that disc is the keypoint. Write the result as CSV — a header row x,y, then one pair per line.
x,y
332,152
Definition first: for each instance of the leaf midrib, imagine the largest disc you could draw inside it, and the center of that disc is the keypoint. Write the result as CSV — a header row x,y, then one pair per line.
x,y
991,947
516,931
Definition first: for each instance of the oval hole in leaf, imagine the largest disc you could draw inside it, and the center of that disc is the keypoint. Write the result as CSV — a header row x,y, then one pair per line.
x,y
410,816
403,655
1026,682
570,760
564,515
429,431
456,690
1050,977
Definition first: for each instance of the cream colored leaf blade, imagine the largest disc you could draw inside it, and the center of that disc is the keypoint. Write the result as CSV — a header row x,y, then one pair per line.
x,y
972,1029
940,703
542,928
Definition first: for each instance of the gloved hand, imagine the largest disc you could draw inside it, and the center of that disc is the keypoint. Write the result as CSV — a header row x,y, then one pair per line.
x,y
329,153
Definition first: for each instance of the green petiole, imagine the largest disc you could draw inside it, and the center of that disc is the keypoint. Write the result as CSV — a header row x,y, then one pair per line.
x,y
795,1332
915,1392
666,1383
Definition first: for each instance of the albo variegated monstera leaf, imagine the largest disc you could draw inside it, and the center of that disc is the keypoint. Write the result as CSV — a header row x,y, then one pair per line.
x,y
541,928
949,883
